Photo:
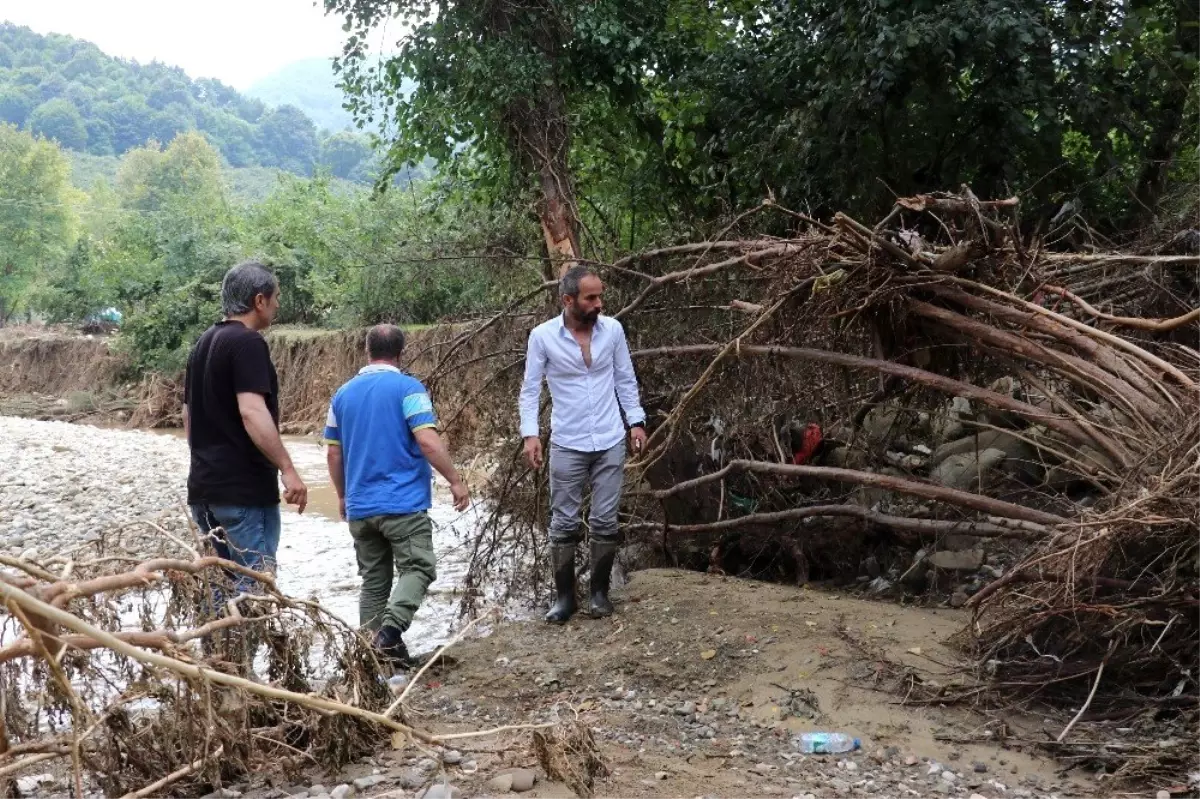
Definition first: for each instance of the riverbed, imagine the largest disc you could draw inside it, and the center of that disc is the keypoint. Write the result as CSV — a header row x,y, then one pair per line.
x,y
63,486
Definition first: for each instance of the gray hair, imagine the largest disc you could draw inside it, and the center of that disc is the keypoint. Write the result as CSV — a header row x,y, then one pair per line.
x,y
568,284
242,284
385,342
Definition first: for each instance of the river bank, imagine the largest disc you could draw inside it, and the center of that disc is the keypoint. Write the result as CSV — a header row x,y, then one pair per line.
x,y
65,486
696,687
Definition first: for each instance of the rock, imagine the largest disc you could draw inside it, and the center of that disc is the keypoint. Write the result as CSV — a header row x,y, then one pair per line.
x,y
523,779
1065,476
317,789
948,777
966,561
871,567
440,790
958,598
412,779
966,471
762,768
1163,795
33,783
980,767
686,709
661,775
977,796
364,783
1006,442
452,757
342,791
501,783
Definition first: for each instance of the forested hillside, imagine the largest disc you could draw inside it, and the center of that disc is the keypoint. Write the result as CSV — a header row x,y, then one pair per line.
x,y
308,85
68,90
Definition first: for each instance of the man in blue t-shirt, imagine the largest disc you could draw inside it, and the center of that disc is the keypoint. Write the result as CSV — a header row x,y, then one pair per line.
x,y
382,436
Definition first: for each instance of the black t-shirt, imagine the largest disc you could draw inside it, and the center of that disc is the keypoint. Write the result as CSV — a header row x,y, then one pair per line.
x,y
227,469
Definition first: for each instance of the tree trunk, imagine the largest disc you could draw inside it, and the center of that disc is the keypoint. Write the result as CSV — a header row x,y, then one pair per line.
x,y
538,133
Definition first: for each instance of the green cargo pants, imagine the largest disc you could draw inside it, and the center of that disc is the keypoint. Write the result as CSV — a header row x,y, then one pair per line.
x,y
393,545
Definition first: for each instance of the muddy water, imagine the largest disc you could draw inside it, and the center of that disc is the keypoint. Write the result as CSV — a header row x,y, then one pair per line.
x,y
316,552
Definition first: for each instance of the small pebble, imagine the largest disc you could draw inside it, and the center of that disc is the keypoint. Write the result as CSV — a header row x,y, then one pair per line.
x,y
342,791
1163,795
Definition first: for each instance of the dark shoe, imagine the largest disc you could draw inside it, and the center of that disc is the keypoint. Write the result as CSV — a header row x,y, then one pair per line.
x,y
603,555
390,646
562,560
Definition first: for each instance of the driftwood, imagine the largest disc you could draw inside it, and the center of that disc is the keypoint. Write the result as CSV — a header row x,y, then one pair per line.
x,y
65,621
878,337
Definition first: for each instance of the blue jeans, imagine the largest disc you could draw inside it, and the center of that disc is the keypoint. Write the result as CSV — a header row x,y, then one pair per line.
x,y
250,538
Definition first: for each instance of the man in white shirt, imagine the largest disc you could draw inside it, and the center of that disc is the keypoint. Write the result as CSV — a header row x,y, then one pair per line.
x,y
585,360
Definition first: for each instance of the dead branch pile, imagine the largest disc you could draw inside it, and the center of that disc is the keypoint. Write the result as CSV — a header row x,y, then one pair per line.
x,y
823,405
154,678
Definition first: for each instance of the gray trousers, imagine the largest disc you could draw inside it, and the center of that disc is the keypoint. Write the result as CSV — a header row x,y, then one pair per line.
x,y
570,472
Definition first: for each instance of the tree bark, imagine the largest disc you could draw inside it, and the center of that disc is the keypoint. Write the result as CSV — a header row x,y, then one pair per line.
x,y
539,135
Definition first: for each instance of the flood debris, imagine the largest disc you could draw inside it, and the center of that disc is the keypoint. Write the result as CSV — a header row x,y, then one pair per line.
x,y
940,404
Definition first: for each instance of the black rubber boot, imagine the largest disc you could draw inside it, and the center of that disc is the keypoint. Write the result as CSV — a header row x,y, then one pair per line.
x,y
603,554
390,646
562,560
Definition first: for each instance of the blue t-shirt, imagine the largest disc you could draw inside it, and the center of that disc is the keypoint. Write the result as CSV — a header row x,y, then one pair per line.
x,y
373,418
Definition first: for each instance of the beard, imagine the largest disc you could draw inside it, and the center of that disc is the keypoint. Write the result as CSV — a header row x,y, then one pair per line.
x,y
588,318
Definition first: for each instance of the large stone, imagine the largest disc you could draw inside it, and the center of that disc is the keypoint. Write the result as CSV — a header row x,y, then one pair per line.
x,y
501,783
412,779
969,470
523,779
965,561
1011,445
1067,475
440,790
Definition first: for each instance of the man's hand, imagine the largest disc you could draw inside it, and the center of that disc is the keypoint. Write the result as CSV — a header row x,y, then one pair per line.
x,y
342,508
462,497
294,490
637,440
533,452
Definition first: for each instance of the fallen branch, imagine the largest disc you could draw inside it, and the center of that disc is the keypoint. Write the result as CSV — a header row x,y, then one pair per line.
x,y
939,493
948,385
902,523
174,776
1152,325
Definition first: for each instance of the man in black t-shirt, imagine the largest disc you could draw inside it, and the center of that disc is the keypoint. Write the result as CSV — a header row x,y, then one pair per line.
x,y
231,415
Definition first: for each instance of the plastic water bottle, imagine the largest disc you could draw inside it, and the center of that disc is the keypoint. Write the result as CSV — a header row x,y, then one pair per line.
x,y
826,743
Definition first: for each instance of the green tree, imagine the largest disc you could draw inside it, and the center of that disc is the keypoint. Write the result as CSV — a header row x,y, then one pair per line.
x,y
76,290
16,104
344,152
290,138
36,216
59,120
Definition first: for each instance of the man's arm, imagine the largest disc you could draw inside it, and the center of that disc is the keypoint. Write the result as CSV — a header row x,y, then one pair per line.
x,y
337,473
334,458
187,424
531,387
627,392
626,381
256,418
438,454
531,396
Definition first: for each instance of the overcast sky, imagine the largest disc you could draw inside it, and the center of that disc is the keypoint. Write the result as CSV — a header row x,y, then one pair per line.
x,y
237,41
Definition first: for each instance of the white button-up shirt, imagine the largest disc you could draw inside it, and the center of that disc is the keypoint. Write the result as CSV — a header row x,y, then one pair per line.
x,y
584,415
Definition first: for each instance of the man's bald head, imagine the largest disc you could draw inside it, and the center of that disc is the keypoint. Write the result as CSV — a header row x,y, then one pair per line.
x,y
385,343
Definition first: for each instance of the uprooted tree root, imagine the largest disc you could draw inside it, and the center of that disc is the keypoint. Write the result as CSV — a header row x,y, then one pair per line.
x,y
138,674
1067,377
